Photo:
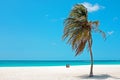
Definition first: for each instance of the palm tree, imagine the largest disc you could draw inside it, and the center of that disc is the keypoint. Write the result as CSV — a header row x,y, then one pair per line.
x,y
78,31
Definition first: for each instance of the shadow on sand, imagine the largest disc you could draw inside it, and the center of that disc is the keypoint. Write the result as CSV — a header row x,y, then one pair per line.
x,y
97,77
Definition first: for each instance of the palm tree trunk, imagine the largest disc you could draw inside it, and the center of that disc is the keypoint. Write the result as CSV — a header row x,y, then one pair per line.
x,y
91,58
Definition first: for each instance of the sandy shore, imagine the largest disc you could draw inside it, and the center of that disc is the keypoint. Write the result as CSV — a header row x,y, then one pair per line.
x,y
101,72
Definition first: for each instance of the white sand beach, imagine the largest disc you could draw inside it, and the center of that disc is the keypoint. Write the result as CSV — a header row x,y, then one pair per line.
x,y
101,72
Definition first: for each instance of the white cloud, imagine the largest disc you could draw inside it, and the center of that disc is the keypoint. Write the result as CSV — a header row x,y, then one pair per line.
x,y
91,8
110,33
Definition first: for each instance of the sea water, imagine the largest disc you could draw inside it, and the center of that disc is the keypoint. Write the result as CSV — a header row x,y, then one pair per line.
x,y
25,63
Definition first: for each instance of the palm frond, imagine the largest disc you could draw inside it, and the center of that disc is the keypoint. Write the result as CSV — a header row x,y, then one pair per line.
x,y
78,11
78,29
81,47
96,29
103,33
96,23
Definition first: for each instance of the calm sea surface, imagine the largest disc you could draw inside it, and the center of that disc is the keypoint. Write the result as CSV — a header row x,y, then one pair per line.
x,y
17,63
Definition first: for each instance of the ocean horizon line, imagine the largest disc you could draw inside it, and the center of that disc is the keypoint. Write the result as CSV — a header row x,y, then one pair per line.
x,y
17,63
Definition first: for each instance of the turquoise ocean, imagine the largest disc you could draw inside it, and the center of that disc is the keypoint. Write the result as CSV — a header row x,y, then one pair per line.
x,y
25,63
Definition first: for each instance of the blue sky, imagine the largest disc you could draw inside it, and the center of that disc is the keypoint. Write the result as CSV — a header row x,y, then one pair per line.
x,y
33,29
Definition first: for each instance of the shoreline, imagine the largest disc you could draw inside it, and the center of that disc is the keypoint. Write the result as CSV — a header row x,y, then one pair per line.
x,y
65,65
33,63
101,72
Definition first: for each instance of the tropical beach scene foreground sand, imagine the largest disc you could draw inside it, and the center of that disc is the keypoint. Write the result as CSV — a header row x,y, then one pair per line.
x,y
101,72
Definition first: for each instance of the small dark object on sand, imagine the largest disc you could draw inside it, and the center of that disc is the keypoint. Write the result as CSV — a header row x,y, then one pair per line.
x,y
67,66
